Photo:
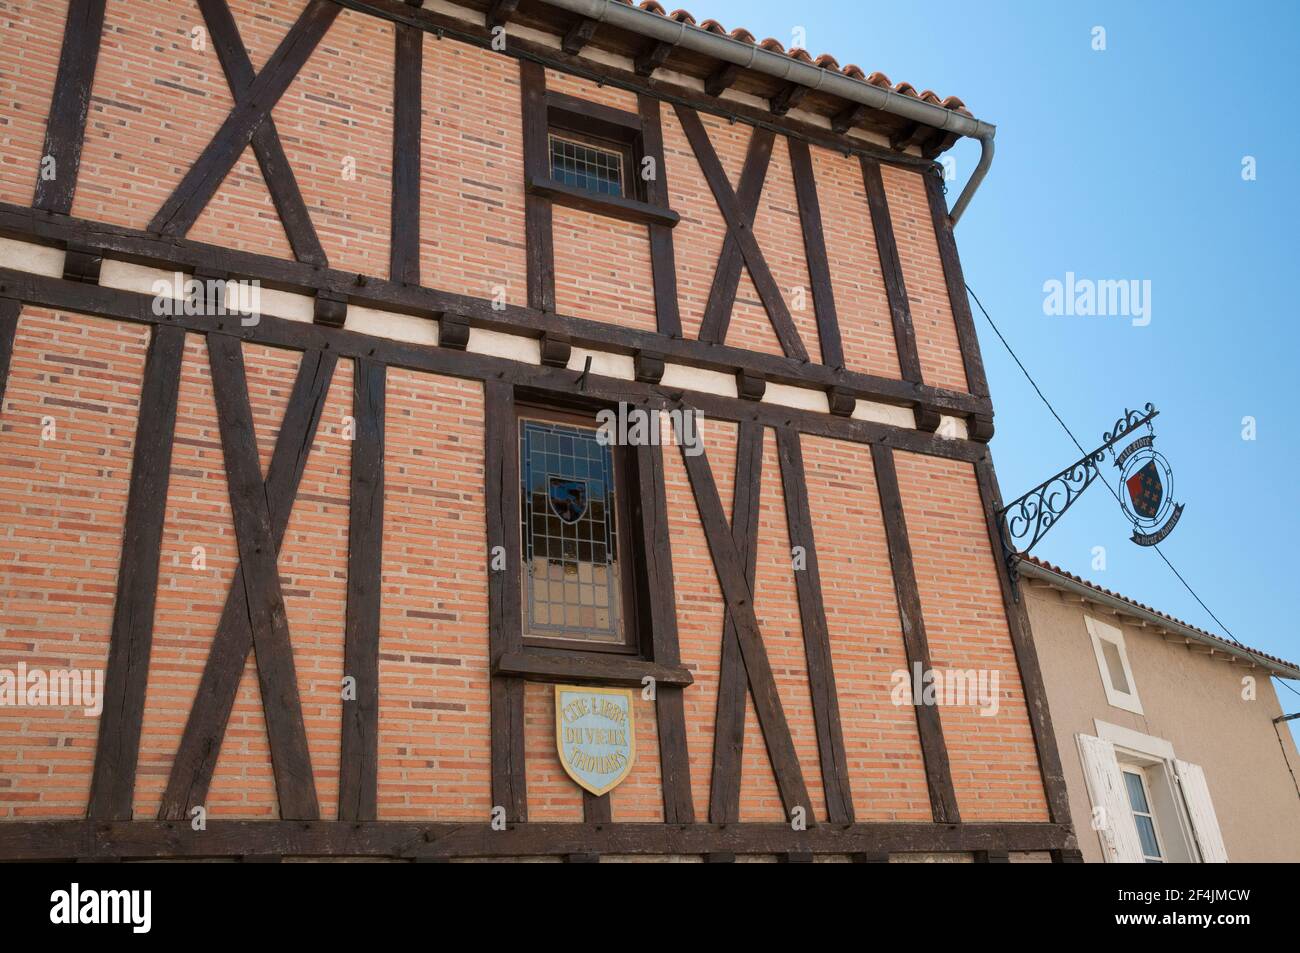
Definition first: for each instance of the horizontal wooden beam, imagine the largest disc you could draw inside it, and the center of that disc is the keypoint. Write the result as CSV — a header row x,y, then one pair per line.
x,y
614,206
53,840
99,301
547,666
376,292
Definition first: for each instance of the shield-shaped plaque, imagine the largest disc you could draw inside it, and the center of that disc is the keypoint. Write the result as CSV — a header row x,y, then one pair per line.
x,y
1146,490
595,735
568,498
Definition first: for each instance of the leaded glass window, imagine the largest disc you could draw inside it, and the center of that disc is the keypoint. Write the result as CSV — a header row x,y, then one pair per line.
x,y
572,585
586,166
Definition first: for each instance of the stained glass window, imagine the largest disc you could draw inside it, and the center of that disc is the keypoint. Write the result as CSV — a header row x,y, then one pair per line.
x,y
571,573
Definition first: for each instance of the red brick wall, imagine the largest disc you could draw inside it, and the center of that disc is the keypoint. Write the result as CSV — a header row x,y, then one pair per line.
x,y
699,598
434,743
62,505
32,32
866,326
887,774
994,763
927,294
472,196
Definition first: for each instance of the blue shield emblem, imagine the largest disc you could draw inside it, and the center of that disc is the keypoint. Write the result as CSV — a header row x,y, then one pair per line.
x,y
568,498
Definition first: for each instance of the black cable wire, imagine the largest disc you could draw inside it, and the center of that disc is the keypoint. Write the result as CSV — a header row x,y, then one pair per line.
x,y
1041,396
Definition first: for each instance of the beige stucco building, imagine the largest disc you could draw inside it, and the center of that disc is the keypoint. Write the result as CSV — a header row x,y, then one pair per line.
x,y
1168,734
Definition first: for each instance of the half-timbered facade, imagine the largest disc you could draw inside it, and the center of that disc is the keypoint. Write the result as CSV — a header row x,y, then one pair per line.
x,y
331,554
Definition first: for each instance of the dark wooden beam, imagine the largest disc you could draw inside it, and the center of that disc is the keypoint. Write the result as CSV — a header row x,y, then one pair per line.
x,y
729,722
914,133
10,308
816,634
279,332
663,260
372,291
408,71
938,773
255,538
500,12
53,840
891,268
814,244
277,172
505,625
790,96
847,118
596,809
652,57
613,206
203,179
537,206
721,79
1031,676
739,598
739,211
359,749
578,35
658,603
558,665
65,129
112,784
205,727
956,284
726,274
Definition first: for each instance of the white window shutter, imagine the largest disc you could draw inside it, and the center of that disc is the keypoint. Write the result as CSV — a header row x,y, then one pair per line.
x,y
1205,824
1112,815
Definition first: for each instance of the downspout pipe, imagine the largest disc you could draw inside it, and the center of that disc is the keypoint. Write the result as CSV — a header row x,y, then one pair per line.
x,y
752,56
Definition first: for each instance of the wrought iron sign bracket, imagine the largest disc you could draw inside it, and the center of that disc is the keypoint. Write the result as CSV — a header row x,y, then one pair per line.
x,y
1026,520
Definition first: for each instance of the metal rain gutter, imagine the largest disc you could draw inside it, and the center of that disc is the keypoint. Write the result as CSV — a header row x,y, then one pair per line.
x,y
754,57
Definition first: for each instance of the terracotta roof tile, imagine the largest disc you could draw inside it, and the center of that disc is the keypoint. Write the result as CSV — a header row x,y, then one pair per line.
x,y
1052,567
824,61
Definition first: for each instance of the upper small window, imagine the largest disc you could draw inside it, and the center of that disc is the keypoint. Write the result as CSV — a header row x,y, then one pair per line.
x,y
577,578
587,164
1112,662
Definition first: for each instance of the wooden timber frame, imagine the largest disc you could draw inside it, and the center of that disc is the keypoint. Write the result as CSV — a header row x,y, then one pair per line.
x,y
254,616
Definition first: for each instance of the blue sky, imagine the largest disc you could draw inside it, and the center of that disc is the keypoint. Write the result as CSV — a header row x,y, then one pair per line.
x,y
1125,164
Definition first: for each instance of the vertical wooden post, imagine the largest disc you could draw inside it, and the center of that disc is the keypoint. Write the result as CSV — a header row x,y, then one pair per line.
x,y
404,248
112,785
505,629
359,752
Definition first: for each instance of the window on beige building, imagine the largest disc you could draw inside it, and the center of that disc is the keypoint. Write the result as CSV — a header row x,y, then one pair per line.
x,y
1112,663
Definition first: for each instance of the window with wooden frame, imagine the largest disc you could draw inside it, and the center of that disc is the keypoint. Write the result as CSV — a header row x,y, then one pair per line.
x,y
590,156
577,532
587,162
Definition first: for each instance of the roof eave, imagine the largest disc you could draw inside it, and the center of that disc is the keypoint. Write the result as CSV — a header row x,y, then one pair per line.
x,y
1118,604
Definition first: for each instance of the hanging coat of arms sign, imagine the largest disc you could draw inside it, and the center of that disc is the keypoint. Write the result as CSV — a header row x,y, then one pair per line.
x,y
1147,489
595,734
